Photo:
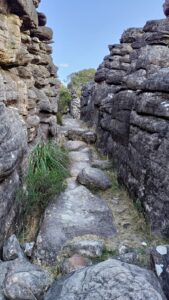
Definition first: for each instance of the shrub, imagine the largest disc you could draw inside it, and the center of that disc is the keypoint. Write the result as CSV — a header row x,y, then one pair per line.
x,y
48,167
78,79
59,118
64,100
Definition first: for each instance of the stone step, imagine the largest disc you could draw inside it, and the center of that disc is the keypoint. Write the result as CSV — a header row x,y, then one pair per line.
x,y
75,213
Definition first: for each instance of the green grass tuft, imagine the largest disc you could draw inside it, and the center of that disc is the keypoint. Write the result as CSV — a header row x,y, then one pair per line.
x,y
48,167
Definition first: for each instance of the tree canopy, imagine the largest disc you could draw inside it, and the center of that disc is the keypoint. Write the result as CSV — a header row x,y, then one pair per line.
x,y
80,78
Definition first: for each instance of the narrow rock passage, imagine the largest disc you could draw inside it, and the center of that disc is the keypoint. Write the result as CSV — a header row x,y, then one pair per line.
x,y
77,214
89,210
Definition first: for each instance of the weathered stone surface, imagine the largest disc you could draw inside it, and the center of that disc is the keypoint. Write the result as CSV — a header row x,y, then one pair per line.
x,y
43,33
27,76
25,281
108,280
19,279
82,134
75,213
79,156
28,248
12,140
75,106
42,20
94,178
75,145
10,38
79,160
13,145
12,249
26,10
4,267
160,263
130,114
74,263
87,248
4,9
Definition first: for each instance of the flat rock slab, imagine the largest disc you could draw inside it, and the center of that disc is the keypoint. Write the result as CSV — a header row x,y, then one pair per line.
x,y
111,280
80,156
69,122
94,178
87,248
79,160
75,213
82,134
75,145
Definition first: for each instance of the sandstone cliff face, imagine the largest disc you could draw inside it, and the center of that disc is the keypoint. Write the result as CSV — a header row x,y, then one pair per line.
x,y
28,95
129,106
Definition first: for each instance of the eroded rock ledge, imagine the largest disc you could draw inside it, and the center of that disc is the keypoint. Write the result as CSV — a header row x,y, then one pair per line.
x,y
28,95
129,106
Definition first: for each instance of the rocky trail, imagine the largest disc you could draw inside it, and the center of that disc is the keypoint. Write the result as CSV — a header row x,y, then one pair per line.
x,y
94,220
89,241
92,240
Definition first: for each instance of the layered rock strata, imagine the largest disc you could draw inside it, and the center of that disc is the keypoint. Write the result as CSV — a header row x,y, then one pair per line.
x,y
28,94
129,106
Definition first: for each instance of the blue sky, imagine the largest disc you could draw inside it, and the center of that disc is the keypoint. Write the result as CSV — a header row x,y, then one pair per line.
x,y
84,28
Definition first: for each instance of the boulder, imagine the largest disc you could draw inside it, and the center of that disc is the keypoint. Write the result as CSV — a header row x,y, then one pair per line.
x,y
43,33
12,249
28,249
94,178
13,140
13,147
25,281
19,279
75,213
25,9
42,20
111,279
4,267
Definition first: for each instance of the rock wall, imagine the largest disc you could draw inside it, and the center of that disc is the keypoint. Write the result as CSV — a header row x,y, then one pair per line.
x,y
28,95
75,106
129,106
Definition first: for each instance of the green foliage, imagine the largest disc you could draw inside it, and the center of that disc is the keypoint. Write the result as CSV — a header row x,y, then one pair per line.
x,y
64,99
106,254
59,118
78,79
45,179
